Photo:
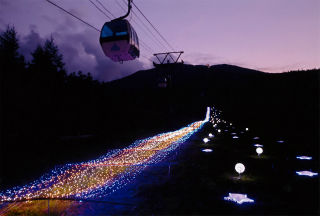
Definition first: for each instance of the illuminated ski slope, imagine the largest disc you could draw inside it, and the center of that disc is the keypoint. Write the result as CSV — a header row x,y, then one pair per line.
x,y
98,178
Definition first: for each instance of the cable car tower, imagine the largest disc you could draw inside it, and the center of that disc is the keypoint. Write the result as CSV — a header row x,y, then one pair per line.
x,y
167,66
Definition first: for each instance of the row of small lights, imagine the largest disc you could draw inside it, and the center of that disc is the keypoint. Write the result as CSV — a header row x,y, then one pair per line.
x,y
239,167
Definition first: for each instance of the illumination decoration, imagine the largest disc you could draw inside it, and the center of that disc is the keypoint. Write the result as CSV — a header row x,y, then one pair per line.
x,y
207,150
247,129
304,158
238,198
280,141
256,138
259,151
306,173
235,137
233,133
258,145
240,168
219,131
205,140
211,135
107,174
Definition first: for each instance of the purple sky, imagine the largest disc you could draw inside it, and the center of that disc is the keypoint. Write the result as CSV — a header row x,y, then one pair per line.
x,y
268,35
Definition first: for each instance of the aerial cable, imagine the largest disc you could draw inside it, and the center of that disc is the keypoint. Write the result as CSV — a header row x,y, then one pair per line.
x,y
100,10
73,15
143,44
105,8
152,25
154,38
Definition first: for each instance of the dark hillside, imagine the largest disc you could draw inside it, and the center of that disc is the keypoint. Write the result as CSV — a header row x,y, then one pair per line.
x,y
87,118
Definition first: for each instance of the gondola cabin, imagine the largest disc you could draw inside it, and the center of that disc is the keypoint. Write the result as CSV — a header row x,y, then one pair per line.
x,y
119,41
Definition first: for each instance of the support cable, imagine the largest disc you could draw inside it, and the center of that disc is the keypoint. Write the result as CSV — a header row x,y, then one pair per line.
x,y
152,26
100,10
73,15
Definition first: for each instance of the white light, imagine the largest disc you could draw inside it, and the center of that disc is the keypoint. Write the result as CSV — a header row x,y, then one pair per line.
x,y
304,157
211,135
235,137
259,150
307,173
230,123
233,133
219,131
258,145
247,129
207,150
205,140
280,141
240,168
256,138
238,198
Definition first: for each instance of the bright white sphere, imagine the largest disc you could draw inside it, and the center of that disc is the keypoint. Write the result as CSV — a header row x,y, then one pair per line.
x,y
210,135
240,168
259,150
205,140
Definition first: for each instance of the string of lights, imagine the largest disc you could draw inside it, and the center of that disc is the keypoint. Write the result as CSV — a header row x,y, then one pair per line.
x,y
103,176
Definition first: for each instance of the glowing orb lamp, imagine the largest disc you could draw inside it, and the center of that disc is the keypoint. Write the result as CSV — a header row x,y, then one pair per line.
x,y
240,168
259,150
304,158
238,198
247,129
306,173
207,150
219,131
211,135
205,140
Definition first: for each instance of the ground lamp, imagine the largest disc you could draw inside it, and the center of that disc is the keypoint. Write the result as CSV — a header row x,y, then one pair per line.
x,y
207,150
258,145
306,173
238,198
239,168
259,151
304,158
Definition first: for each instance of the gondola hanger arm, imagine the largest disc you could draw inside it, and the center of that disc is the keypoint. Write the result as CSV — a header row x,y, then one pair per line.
x,y
127,14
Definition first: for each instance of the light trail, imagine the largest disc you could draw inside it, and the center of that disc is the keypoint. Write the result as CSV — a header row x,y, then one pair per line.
x,y
98,178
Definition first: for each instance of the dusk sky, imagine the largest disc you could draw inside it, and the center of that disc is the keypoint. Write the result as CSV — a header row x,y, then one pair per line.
x,y
268,35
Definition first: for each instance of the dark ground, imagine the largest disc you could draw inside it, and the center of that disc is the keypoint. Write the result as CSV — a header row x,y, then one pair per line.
x,y
115,114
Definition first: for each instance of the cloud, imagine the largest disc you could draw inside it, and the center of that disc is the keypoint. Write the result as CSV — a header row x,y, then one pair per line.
x,y
203,59
30,42
81,51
